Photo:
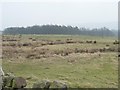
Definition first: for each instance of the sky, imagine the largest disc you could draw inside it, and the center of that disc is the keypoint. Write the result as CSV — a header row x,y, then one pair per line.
x,y
81,13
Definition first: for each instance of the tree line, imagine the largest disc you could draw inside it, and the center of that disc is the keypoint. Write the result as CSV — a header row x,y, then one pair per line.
x,y
58,29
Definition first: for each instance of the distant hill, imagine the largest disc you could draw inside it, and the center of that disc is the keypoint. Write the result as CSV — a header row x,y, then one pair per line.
x,y
115,32
57,29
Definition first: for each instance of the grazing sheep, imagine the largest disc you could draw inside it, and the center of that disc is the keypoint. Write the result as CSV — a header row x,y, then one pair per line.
x,y
91,51
33,39
30,38
94,42
118,55
107,45
58,40
88,41
77,50
116,42
26,44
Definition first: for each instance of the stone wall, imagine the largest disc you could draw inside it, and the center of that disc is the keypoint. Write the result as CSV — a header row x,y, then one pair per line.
x,y
19,83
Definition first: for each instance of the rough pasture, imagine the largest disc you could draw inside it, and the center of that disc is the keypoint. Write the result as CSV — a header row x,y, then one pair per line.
x,y
80,61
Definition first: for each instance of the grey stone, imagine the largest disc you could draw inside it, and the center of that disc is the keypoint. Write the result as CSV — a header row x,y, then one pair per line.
x,y
7,81
42,84
58,84
19,82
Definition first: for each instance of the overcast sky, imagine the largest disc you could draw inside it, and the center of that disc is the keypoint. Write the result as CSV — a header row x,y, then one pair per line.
x,y
81,13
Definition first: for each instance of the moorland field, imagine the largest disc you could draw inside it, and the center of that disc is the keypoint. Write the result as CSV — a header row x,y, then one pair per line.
x,y
80,61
